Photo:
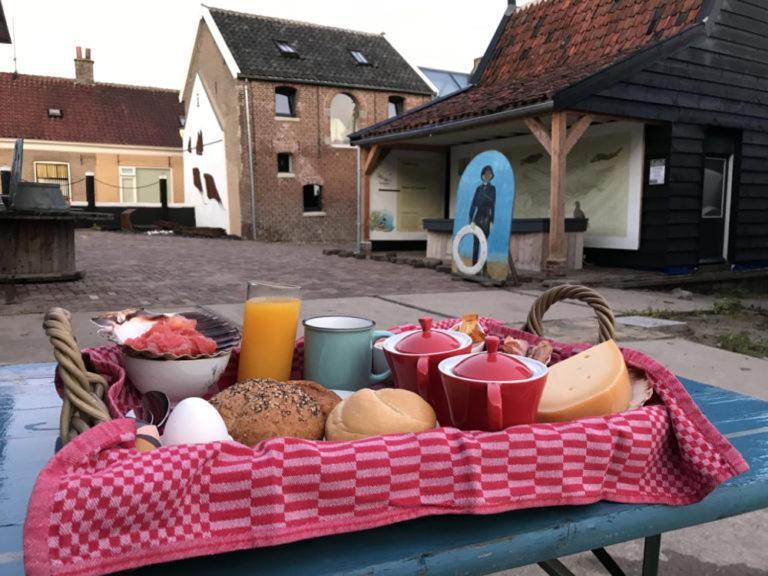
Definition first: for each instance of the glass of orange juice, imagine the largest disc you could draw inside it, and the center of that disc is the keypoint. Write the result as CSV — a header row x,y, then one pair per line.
x,y
269,331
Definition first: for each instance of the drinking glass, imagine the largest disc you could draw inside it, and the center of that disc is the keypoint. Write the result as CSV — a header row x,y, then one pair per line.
x,y
269,331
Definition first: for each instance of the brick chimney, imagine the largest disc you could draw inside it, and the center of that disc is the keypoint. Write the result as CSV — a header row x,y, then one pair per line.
x,y
83,66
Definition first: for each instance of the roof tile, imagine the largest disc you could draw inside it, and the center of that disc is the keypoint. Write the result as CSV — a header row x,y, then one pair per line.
x,y
550,45
323,53
92,113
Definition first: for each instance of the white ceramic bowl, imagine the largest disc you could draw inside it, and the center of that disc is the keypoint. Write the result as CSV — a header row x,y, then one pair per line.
x,y
178,379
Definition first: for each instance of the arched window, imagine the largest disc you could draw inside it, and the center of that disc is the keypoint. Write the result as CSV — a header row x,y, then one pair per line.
x,y
285,101
396,106
343,118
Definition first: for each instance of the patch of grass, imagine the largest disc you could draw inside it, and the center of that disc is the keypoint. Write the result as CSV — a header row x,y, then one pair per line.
x,y
743,343
656,313
728,305
733,291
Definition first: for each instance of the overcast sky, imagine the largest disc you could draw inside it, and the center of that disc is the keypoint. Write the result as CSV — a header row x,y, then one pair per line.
x,y
148,42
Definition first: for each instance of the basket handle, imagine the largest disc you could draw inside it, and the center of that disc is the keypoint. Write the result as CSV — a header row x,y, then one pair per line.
x,y
605,319
83,404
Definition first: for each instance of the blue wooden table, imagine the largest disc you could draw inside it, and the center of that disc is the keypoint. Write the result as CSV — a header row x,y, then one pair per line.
x,y
29,420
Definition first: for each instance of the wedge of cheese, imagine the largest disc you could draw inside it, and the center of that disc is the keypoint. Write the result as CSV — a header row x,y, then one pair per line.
x,y
592,383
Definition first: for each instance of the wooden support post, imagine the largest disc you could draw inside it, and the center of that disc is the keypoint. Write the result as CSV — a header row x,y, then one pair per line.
x,y
366,215
557,242
540,132
558,144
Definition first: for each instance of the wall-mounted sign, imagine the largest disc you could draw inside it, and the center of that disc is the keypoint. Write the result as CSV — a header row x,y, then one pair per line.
x,y
657,175
481,228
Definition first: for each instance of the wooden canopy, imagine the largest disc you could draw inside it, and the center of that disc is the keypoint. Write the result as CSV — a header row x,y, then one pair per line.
x,y
552,132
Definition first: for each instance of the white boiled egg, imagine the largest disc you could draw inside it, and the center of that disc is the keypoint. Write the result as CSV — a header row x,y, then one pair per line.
x,y
194,421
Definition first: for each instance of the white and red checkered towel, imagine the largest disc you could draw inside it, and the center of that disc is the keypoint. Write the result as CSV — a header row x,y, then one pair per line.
x,y
100,506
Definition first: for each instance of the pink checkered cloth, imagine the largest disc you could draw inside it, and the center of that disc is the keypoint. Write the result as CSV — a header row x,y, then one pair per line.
x,y
100,506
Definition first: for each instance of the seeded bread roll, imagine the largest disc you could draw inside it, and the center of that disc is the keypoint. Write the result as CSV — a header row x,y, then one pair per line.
x,y
263,408
326,399
375,412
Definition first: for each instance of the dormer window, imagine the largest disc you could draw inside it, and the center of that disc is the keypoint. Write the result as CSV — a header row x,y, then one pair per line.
x,y
286,49
55,113
359,58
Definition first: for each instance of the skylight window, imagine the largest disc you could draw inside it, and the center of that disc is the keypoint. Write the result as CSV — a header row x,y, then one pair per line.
x,y
55,113
359,57
286,49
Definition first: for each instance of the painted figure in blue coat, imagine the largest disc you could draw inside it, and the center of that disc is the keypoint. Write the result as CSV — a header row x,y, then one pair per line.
x,y
483,207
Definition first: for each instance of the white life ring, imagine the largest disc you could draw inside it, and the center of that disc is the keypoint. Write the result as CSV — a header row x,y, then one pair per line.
x,y
482,256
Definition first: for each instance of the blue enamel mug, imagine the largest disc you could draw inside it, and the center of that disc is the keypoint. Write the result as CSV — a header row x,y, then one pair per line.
x,y
337,352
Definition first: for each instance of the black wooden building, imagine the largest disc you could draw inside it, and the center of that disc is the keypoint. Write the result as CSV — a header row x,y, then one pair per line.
x,y
692,73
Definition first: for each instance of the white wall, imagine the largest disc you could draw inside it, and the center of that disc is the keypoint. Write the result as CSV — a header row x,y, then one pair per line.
x,y
406,187
202,119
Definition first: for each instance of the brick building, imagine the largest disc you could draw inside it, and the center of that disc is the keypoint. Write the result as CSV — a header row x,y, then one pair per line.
x,y
269,104
126,136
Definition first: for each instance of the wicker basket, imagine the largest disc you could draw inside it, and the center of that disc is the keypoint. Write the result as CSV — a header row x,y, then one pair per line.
x,y
85,393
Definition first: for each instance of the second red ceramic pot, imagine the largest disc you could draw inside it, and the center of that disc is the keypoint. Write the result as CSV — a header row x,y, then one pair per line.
x,y
491,390
414,358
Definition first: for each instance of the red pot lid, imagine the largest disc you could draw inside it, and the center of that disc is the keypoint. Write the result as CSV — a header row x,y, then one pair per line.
x,y
492,366
427,341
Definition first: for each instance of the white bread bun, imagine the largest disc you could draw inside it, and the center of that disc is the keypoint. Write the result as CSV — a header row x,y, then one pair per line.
x,y
375,412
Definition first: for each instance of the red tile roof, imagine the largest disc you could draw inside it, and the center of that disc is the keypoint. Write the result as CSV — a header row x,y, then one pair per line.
x,y
92,113
550,45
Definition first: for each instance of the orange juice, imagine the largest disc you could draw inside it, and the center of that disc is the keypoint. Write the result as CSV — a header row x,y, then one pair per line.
x,y
269,334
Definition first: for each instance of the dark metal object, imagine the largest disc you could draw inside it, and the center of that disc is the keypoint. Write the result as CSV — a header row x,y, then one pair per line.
x,y
651,551
608,562
32,196
90,191
39,197
18,157
555,568
164,199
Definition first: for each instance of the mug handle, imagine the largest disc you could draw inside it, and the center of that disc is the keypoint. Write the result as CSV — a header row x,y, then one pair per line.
x,y
495,420
422,376
377,334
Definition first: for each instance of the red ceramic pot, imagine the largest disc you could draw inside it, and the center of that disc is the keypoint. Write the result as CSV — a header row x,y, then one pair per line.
x,y
492,390
414,357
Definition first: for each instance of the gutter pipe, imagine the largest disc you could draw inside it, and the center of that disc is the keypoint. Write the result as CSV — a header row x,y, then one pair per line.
x,y
250,156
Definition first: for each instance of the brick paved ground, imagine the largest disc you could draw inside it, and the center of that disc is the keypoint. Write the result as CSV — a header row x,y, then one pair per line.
x,y
123,270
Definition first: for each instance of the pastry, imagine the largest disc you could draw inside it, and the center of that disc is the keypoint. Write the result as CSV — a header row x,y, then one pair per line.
x,y
255,410
326,399
470,326
375,412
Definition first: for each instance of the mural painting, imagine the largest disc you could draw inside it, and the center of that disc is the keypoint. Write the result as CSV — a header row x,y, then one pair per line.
x,y
483,218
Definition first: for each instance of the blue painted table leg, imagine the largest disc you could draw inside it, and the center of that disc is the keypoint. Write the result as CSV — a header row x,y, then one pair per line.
x,y
651,551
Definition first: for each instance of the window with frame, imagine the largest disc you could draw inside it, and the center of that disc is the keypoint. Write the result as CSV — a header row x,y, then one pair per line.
x,y
313,198
286,49
395,106
714,187
360,58
284,163
344,115
142,185
285,102
54,173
